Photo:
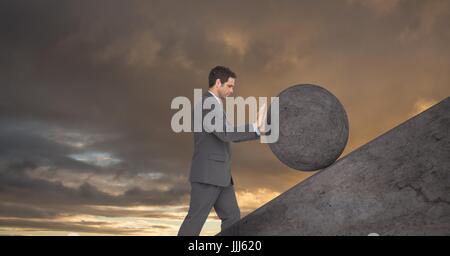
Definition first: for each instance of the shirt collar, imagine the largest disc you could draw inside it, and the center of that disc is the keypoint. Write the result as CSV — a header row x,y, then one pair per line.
x,y
217,98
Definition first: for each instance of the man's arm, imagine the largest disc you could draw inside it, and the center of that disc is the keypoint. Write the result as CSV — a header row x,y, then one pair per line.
x,y
250,131
235,136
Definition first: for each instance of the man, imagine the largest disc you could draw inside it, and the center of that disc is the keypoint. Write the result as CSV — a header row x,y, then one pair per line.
x,y
210,174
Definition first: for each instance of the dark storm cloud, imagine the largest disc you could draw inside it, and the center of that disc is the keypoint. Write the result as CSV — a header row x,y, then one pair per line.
x,y
24,211
23,146
17,186
78,77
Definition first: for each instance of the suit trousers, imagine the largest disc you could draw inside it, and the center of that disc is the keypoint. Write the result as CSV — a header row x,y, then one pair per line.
x,y
203,198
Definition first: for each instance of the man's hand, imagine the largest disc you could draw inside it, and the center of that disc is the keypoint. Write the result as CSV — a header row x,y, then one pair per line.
x,y
261,119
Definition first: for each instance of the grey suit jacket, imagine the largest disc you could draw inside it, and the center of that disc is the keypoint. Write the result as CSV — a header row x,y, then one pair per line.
x,y
211,161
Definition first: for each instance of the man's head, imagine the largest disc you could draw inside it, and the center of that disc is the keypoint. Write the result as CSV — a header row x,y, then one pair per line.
x,y
221,81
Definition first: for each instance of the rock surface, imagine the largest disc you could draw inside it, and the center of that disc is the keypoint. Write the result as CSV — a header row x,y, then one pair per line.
x,y
397,184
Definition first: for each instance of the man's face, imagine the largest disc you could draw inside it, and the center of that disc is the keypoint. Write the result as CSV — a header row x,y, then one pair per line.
x,y
227,89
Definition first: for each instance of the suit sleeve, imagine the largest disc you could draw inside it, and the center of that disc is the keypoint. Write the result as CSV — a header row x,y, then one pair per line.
x,y
234,135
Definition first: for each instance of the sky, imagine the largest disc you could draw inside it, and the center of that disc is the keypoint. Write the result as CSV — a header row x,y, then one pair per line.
x,y
86,146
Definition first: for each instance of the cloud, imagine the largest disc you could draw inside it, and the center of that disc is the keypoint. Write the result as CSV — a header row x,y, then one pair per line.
x,y
139,51
98,228
250,200
18,186
381,7
26,211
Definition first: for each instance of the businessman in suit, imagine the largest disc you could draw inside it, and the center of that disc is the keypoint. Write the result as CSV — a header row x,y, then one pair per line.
x,y
210,173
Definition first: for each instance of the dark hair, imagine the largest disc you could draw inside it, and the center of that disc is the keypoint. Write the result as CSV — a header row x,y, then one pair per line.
x,y
220,72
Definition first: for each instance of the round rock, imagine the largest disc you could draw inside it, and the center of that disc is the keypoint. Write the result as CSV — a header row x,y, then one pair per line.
x,y
313,128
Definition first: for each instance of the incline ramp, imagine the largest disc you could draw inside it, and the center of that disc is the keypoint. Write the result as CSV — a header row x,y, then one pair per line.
x,y
397,184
